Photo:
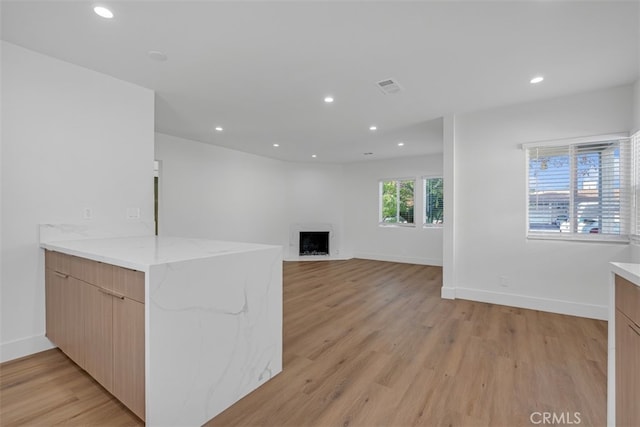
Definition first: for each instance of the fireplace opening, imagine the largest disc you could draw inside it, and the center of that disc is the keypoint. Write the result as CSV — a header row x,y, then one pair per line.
x,y
314,243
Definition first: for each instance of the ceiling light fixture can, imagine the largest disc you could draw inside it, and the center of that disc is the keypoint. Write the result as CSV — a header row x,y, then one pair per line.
x,y
400,144
219,129
103,12
328,99
536,79
373,128
276,145
314,156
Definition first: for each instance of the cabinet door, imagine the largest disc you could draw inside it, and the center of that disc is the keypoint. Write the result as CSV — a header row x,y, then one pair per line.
x,y
64,314
627,371
128,354
73,320
98,331
54,311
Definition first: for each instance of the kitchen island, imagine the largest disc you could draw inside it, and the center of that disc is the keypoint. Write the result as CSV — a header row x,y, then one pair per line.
x,y
212,317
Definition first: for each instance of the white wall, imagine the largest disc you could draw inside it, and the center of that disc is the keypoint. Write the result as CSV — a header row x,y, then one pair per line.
x,y
490,202
366,239
71,138
218,193
315,195
636,107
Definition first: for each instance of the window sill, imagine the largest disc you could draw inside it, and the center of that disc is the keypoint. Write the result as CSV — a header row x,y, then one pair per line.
x,y
576,238
432,226
396,225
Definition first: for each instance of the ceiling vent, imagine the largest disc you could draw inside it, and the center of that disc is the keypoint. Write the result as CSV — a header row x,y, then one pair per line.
x,y
389,86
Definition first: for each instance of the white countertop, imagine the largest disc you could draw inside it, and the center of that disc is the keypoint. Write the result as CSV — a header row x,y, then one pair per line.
x,y
139,253
629,271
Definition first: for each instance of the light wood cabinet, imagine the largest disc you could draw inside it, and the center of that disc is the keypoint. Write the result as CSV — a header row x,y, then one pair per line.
x,y
99,335
128,354
627,352
64,314
95,315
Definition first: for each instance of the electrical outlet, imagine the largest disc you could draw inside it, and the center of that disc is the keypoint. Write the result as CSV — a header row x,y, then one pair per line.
x,y
133,213
504,281
87,213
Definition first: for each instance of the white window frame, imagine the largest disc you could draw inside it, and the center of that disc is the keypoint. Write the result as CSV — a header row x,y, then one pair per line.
x,y
635,188
625,178
381,222
426,224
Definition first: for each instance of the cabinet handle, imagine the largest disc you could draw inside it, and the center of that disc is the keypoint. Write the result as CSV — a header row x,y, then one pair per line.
x,y
633,329
62,275
107,292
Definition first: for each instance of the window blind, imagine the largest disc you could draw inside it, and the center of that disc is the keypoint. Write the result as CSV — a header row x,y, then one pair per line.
x,y
580,190
433,201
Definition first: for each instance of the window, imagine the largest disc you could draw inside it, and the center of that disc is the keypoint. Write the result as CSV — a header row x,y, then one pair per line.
x,y
396,201
579,190
433,201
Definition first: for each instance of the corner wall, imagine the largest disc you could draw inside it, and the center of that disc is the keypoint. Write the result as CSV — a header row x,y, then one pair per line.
x,y
315,196
369,240
636,107
490,200
72,139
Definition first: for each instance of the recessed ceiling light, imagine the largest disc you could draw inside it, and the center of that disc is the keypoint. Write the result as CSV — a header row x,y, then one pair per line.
x,y
314,156
373,127
328,99
276,145
157,55
400,144
103,12
219,129
536,79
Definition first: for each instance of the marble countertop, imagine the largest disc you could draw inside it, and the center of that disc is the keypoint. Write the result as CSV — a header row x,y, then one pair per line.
x,y
629,271
139,253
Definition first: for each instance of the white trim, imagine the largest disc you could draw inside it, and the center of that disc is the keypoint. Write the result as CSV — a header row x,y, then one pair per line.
x,y
577,140
424,179
380,208
447,293
403,259
592,311
575,237
398,224
24,347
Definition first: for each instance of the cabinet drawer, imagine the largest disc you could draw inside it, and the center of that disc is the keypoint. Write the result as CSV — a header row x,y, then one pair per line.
x,y
84,269
57,261
129,283
628,299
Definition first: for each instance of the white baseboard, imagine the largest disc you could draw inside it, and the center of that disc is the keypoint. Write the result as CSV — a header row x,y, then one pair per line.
x,y
24,347
447,293
396,258
591,311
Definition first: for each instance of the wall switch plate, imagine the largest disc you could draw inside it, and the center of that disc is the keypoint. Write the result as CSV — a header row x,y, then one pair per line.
x,y
133,213
87,213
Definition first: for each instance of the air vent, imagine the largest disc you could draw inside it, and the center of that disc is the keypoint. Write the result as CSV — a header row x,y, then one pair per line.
x,y
389,86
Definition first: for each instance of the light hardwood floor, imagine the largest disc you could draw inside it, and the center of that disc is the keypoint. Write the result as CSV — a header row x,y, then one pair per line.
x,y
370,343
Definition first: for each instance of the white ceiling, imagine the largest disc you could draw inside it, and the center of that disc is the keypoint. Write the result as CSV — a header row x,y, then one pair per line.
x,y
261,69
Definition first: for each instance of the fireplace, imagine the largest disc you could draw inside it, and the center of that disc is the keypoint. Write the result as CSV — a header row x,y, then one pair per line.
x,y
314,243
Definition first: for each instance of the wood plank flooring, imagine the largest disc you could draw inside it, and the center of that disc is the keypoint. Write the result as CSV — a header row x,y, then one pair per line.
x,y
369,343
